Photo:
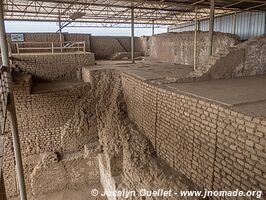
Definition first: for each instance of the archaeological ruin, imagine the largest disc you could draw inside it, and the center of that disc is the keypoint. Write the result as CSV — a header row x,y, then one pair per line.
x,y
178,115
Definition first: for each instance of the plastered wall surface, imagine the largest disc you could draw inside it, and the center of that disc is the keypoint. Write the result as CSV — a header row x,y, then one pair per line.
x,y
53,67
179,47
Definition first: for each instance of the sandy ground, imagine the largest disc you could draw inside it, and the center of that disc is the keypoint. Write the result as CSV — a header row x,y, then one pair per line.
x,y
147,70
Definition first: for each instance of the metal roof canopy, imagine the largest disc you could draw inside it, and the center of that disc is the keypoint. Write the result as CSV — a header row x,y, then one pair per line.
x,y
117,12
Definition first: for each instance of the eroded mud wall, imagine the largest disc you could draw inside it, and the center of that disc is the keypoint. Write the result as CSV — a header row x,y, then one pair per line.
x,y
246,59
206,145
179,47
128,159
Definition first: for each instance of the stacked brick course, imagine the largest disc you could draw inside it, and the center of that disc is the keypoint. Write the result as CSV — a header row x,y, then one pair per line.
x,y
214,146
76,37
204,144
35,37
52,67
43,121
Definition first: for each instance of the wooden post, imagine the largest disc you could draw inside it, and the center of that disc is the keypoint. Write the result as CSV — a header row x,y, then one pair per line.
x,y
60,30
195,38
211,27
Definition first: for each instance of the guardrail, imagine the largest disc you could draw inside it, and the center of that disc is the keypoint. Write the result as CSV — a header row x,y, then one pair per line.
x,y
49,47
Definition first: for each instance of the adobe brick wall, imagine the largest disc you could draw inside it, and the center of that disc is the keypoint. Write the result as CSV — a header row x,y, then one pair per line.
x,y
102,46
246,59
105,46
36,37
46,124
214,146
52,67
77,37
179,47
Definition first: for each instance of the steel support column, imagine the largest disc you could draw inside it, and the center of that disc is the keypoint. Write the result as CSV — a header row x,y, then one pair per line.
x,y
60,31
195,38
211,27
11,107
234,23
152,27
132,34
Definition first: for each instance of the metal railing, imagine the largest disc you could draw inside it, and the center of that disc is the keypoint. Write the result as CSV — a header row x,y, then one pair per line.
x,y
49,47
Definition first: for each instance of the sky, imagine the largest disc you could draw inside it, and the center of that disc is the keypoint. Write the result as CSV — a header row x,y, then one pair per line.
x,y
20,27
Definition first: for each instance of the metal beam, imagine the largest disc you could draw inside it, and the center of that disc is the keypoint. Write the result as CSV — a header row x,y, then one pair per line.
x,y
149,5
233,4
234,23
11,107
152,27
211,27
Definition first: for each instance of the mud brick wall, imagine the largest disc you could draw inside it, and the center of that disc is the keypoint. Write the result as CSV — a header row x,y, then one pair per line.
x,y
42,118
51,67
254,60
105,46
39,37
76,37
214,146
35,37
179,47
102,46
53,109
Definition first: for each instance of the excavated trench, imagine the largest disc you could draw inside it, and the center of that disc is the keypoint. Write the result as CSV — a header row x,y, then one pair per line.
x,y
98,144
127,160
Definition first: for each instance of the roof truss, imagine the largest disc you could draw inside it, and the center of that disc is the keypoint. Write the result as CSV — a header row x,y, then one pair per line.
x,y
115,12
